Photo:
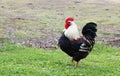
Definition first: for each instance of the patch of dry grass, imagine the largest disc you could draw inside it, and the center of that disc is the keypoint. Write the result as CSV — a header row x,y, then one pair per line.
x,y
34,16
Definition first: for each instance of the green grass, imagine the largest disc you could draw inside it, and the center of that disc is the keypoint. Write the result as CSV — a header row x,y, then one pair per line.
x,y
104,60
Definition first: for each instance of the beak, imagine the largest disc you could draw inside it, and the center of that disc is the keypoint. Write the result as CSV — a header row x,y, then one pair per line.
x,y
70,22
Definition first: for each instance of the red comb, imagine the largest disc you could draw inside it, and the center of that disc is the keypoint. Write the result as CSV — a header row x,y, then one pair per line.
x,y
67,21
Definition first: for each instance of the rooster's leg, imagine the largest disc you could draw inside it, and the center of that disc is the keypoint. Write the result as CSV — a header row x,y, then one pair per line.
x,y
72,60
77,64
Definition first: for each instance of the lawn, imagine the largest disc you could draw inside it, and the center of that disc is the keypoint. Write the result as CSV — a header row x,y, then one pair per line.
x,y
15,60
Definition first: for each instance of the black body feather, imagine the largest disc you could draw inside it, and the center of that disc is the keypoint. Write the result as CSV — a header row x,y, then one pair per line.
x,y
80,48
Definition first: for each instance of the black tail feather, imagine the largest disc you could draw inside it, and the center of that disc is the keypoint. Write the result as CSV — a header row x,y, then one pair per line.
x,y
90,30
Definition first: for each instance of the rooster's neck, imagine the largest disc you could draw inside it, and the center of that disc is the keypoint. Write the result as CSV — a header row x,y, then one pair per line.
x,y
72,32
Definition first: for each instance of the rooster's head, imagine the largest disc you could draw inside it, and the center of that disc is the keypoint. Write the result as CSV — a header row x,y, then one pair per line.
x,y
68,22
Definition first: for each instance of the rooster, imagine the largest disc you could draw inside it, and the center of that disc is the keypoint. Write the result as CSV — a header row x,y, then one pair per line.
x,y
76,46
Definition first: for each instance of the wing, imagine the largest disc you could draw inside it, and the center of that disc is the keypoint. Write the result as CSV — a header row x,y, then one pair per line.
x,y
65,45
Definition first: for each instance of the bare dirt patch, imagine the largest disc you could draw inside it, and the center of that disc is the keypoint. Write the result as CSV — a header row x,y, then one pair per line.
x,y
39,23
115,1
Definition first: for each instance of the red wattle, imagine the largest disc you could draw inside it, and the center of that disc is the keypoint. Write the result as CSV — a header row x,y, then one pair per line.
x,y
66,26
